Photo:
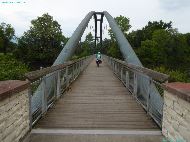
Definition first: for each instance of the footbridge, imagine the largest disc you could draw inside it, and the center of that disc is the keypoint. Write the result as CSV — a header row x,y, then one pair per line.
x,y
78,101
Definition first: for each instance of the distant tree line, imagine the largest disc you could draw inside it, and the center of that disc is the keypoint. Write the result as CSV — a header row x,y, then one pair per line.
x,y
158,45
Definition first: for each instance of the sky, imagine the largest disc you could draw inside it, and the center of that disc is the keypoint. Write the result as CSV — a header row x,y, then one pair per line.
x,y
69,13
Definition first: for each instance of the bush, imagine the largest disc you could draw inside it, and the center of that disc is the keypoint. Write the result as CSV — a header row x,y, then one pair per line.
x,y
175,75
11,68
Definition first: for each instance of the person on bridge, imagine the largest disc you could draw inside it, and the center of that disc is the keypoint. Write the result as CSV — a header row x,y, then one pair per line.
x,y
98,59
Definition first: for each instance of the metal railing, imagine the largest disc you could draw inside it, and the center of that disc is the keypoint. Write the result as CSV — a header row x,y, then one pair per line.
x,y
61,76
134,78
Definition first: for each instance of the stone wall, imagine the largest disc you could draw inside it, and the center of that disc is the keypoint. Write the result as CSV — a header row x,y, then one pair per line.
x,y
176,113
14,111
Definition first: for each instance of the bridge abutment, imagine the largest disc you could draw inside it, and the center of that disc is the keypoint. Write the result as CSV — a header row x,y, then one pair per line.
x,y
14,110
176,112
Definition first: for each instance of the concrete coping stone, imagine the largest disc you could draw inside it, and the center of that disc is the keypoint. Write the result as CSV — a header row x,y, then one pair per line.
x,y
181,90
11,87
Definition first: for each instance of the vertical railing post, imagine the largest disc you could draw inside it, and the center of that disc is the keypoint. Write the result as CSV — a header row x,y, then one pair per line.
x,y
78,67
127,79
67,76
115,67
30,105
148,95
118,72
112,65
55,85
122,73
73,69
135,84
83,64
58,89
44,95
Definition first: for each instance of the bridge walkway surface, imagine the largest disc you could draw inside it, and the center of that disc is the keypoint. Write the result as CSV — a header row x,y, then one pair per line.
x,y
96,108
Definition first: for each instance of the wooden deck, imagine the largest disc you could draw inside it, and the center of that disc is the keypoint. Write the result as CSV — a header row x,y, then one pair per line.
x,y
97,100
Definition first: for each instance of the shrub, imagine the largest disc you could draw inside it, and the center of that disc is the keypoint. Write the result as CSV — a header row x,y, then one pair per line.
x,y
11,68
175,75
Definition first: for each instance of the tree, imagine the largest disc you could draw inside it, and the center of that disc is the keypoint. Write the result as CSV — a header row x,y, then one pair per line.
x,y
187,37
155,25
7,33
11,68
42,42
89,38
114,51
87,45
136,37
123,23
149,54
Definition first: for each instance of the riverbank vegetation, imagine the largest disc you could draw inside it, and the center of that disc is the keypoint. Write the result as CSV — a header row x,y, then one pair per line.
x,y
158,45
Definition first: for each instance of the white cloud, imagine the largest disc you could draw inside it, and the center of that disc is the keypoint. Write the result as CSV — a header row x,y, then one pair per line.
x,y
69,13
174,4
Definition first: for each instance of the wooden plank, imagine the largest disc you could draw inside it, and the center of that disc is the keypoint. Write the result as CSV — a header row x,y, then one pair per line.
x,y
97,100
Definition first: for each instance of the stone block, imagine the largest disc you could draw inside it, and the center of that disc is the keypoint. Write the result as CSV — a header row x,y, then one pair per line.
x,y
184,104
14,117
170,96
187,117
3,102
176,118
8,130
179,109
2,126
3,116
168,102
10,137
2,109
1,137
185,132
11,104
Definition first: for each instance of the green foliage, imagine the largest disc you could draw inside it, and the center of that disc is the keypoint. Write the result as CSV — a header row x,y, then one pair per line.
x,y
149,29
7,33
11,69
42,42
149,51
158,45
89,38
187,38
123,23
175,75
114,51
166,48
85,48
136,37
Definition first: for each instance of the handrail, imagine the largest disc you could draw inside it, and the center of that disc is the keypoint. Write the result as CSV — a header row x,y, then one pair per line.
x,y
161,77
44,93
34,75
143,84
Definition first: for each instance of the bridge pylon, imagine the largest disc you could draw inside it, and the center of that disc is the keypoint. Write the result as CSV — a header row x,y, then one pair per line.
x,y
100,20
